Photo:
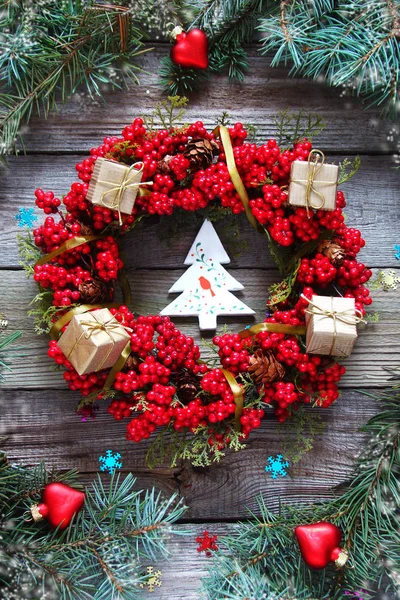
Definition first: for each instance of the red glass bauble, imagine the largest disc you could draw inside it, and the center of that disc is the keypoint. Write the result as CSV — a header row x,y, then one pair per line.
x,y
59,504
319,544
191,50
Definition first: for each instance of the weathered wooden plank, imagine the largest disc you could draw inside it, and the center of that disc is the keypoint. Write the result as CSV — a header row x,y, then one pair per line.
x,y
376,185
42,425
84,122
377,347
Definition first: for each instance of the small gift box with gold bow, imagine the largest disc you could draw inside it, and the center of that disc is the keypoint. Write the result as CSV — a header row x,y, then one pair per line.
x,y
115,185
313,183
331,325
93,341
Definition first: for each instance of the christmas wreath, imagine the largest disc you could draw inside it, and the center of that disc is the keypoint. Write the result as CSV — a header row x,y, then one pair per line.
x,y
153,373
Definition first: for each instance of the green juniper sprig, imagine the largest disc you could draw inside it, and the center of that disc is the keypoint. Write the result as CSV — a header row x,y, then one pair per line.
x,y
261,558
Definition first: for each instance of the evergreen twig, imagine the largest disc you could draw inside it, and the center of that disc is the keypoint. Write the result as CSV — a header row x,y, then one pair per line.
x,y
99,556
261,558
355,46
50,49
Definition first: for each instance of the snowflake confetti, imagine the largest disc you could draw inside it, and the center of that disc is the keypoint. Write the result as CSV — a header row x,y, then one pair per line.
x,y
87,412
206,543
387,280
277,466
153,578
356,595
110,462
396,249
26,217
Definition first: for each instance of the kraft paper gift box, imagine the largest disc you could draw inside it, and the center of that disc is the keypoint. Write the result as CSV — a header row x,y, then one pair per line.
x,y
114,185
313,185
93,341
326,334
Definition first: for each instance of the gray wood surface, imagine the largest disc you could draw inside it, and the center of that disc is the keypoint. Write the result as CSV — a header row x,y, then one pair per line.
x,y
37,411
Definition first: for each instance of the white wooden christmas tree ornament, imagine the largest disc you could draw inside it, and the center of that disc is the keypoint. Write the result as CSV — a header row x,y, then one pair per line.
x,y
205,285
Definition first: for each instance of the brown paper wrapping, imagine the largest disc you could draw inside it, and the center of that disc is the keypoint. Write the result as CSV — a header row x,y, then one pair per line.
x,y
107,176
322,194
90,350
329,336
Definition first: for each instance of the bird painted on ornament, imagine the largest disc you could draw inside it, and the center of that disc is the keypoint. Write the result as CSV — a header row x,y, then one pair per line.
x,y
319,545
190,49
206,285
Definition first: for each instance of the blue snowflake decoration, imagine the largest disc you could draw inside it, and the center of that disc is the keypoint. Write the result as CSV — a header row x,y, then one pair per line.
x,y
396,248
277,466
26,217
110,462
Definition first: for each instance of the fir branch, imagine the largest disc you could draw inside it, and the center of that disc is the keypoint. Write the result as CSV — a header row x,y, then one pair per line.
x,y
51,49
262,555
353,46
99,556
179,80
6,340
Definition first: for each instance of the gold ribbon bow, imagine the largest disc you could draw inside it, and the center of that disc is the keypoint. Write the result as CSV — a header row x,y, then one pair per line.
x,y
129,181
96,325
348,316
316,160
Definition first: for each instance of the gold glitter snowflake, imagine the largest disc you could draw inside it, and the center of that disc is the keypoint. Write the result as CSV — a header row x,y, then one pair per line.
x,y
153,579
387,280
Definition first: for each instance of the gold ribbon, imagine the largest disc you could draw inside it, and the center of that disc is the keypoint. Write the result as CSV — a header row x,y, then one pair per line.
x,y
348,316
70,244
118,189
238,396
316,160
91,327
223,133
118,366
272,328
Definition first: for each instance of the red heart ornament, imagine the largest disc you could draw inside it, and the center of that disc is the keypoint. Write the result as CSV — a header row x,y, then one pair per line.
x,y
59,504
191,50
319,544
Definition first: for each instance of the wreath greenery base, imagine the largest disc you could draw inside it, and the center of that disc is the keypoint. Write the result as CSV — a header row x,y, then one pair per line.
x,y
163,383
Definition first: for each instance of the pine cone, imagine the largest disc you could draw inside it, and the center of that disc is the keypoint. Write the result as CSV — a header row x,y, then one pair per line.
x,y
265,368
132,363
187,386
333,251
94,290
201,152
163,165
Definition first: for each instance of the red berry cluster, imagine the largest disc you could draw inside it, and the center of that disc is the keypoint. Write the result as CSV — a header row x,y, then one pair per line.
x,y
148,387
